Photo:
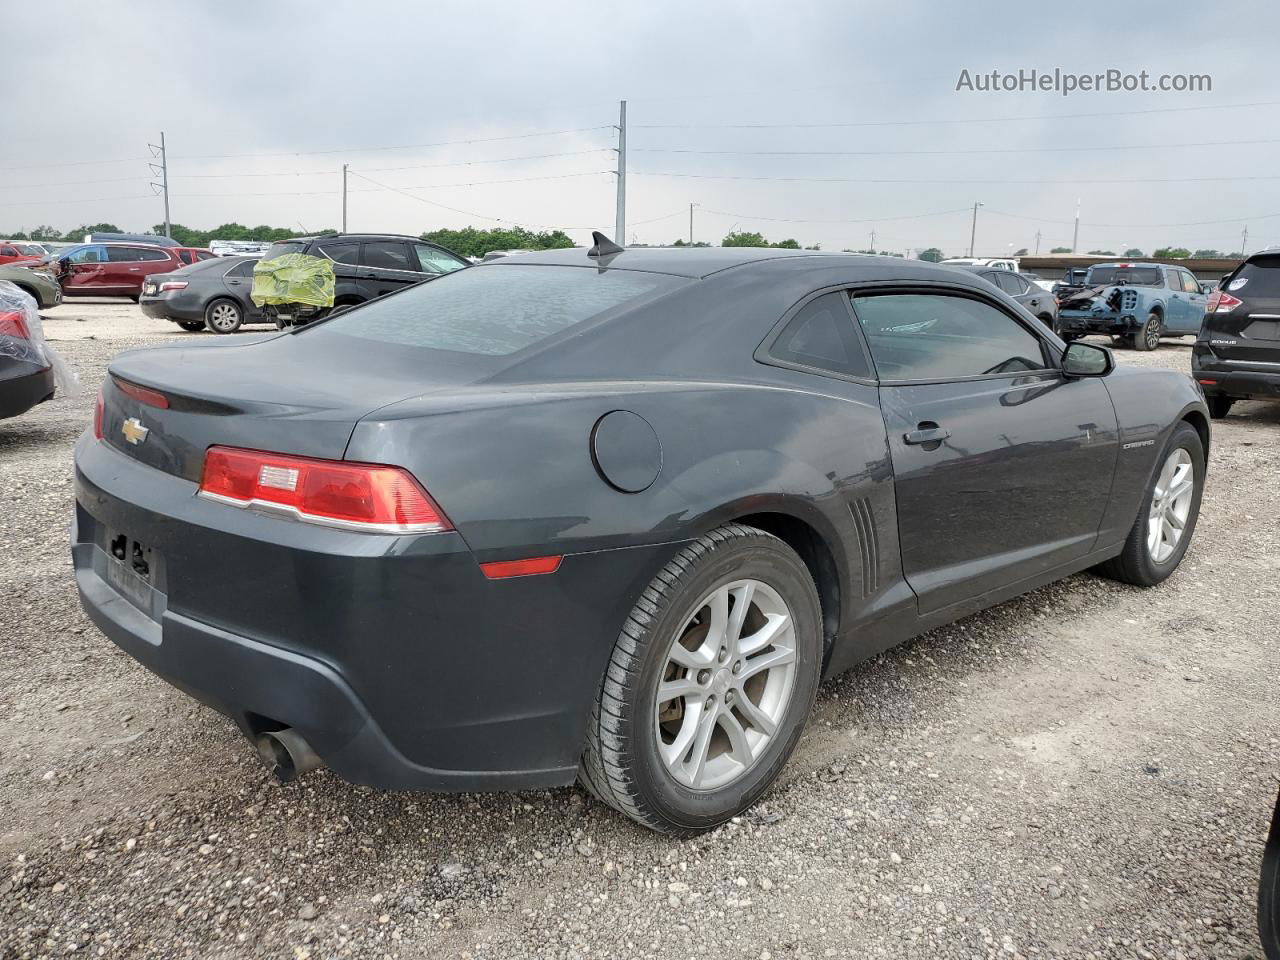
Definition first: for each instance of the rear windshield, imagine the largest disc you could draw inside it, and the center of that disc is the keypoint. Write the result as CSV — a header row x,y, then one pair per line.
x,y
280,249
1257,278
496,310
1134,276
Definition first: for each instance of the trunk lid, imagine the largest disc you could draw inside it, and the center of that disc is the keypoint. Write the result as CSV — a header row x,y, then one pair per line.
x,y
285,393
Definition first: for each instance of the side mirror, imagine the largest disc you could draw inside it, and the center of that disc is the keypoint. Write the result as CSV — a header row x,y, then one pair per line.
x,y
1087,360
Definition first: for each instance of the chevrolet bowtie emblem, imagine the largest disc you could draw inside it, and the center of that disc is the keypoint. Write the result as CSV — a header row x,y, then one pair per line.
x,y
134,431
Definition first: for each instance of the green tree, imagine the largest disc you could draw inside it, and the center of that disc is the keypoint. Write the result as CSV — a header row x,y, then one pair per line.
x,y
1209,254
44,232
1060,250
787,244
932,254
744,239
1134,252
1172,253
472,242
1102,253
78,235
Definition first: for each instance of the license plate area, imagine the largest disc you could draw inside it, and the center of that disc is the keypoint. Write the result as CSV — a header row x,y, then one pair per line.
x,y
148,288
135,571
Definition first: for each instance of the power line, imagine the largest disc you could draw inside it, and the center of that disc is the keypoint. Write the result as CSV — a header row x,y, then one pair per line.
x,y
963,119
1003,180
416,146
895,153
912,216
1139,226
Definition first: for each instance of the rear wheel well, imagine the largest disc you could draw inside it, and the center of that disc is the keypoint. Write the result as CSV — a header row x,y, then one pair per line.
x,y
348,300
817,556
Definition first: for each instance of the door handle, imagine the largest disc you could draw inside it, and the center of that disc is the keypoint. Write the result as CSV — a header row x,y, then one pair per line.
x,y
1035,302
368,276
234,282
928,433
134,269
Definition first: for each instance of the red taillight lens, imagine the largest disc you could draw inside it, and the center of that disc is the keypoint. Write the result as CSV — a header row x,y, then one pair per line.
x,y
357,496
502,569
14,324
152,398
173,285
1222,302
98,411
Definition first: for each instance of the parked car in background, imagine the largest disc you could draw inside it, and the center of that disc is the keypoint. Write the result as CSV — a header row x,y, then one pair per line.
x,y
210,295
608,517
369,265
36,284
193,254
1039,281
996,263
110,269
1044,306
1237,353
13,252
1136,303
26,370
238,248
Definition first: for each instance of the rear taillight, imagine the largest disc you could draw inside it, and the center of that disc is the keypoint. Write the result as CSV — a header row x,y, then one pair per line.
x,y
1222,302
355,496
173,285
14,324
145,395
98,410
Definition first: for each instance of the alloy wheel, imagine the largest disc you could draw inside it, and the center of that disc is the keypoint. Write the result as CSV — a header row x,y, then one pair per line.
x,y
1170,505
224,317
1151,332
729,676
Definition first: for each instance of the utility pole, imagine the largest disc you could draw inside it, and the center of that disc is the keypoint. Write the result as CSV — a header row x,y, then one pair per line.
x,y
1244,243
873,240
344,198
973,231
691,206
620,221
163,171
1037,243
1075,236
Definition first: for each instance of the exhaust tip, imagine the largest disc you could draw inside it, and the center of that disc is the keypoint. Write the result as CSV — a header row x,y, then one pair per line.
x,y
286,754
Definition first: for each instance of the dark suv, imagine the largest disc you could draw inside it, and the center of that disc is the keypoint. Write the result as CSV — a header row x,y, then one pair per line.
x,y
368,265
1237,354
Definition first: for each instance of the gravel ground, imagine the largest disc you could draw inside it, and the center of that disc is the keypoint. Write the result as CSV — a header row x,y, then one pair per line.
x,y
1085,772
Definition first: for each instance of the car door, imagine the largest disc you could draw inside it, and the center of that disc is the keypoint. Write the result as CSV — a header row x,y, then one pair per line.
x,y
1002,466
387,266
85,268
123,271
239,283
1176,306
1196,300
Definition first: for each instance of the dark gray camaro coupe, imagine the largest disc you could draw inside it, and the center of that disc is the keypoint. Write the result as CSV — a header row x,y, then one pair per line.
x,y
608,515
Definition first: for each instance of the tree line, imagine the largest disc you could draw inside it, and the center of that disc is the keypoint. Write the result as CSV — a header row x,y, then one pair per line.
x,y
473,242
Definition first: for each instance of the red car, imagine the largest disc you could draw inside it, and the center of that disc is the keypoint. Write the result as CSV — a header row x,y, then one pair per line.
x,y
115,269
13,252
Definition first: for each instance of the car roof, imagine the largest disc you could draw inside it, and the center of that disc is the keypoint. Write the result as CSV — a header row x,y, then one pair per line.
x,y
356,236
1132,263
692,262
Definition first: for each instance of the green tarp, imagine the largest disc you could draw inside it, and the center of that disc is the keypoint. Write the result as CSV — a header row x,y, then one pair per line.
x,y
293,278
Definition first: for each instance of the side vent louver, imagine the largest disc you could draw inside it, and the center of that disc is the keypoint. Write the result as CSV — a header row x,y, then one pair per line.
x,y
869,544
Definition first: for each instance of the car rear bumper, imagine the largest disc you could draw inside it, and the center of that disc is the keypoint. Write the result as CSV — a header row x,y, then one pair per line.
x,y
1241,381
22,386
1110,323
165,308
394,657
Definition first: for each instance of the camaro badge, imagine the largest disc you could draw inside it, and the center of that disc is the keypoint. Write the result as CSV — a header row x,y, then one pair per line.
x,y
134,431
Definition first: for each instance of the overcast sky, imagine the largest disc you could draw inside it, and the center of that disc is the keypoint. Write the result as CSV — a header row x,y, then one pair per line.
x,y
262,103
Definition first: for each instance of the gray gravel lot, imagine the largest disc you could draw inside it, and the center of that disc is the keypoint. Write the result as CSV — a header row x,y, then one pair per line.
x,y
1085,772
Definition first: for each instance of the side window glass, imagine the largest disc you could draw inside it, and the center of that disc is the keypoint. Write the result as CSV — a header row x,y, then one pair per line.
x,y
434,260
152,255
940,337
385,255
242,269
88,255
186,257
122,255
821,335
1007,282
1190,283
340,252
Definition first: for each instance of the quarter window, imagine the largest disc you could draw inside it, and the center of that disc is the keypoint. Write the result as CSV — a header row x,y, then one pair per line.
x,y
434,260
939,337
821,335
151,255
244,269
340,252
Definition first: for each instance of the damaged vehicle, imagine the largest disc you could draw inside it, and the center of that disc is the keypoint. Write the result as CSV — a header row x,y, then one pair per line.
x,y
31,371
36,284
608,515
1237,354
1135,303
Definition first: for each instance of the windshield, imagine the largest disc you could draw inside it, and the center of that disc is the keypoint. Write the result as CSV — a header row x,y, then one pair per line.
x,y
1134,276
280,249
495,310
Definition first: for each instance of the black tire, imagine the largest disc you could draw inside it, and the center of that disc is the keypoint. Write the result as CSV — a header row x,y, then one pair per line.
x,y
1148,338
1219,407
192,325
223,316
1269,891
1123,340
1135,564
621,764
136,298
